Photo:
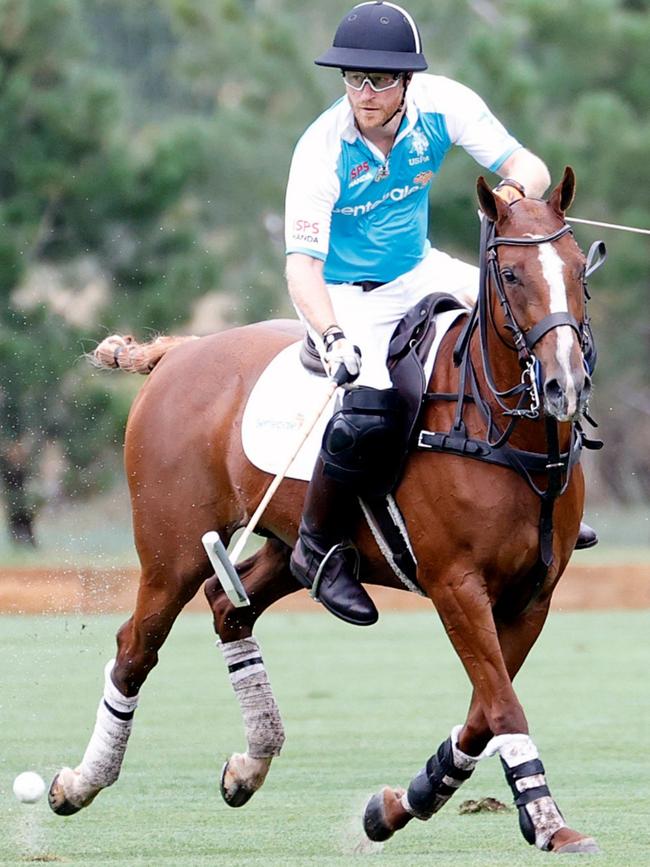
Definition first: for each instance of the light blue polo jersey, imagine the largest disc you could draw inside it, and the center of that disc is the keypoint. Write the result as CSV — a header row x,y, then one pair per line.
x,y
367,216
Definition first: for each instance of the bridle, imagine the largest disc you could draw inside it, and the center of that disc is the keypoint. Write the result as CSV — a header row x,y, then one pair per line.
x,y
523,342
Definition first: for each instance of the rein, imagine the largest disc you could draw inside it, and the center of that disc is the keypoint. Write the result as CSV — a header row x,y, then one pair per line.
x,y
555,466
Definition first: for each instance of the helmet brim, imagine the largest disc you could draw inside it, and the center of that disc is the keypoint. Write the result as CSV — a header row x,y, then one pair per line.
x,y
372,61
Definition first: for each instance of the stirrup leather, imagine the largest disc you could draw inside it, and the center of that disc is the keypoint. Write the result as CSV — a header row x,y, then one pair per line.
x,y
342,546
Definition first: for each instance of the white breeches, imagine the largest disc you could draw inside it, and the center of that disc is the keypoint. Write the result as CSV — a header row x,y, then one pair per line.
x,y
370,318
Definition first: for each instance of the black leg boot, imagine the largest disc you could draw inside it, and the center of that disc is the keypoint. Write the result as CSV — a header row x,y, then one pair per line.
x,y
322,561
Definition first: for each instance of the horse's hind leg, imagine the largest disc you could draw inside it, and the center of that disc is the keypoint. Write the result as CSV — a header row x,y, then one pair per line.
x,y
159,602
267,578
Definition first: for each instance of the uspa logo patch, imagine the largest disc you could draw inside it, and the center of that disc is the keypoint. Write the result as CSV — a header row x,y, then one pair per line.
x,y
419,146
419,143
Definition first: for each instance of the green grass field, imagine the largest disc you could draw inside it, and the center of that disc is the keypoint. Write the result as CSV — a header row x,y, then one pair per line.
x,y
362,708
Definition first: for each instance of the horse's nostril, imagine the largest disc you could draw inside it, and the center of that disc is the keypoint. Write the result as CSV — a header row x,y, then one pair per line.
x,y
553,390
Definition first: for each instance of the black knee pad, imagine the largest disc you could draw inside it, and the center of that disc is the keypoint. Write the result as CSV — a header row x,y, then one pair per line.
x,y
365,441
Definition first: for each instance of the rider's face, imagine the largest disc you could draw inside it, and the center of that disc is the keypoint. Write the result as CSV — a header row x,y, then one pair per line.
x,y
371,109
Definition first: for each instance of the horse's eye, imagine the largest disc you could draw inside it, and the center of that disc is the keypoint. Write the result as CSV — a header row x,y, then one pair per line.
x,y
509,275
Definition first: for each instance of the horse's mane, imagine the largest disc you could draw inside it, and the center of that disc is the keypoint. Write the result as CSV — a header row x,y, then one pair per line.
x,y
125,353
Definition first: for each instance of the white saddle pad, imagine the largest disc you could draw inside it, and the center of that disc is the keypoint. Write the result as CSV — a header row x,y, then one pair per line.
x,y
286,396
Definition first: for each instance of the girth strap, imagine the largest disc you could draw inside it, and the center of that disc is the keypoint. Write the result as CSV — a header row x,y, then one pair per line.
x,y
506,456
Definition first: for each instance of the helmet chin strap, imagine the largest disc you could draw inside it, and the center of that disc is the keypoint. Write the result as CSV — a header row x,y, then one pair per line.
x,y
406,78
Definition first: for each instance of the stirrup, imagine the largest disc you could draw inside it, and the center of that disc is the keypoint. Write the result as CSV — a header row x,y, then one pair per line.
x,y
342,546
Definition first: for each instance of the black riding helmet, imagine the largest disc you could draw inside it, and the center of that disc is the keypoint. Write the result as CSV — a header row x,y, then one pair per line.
x,y
376,36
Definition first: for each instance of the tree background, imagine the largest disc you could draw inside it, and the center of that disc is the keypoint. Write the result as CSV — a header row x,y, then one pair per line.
x,y
144,151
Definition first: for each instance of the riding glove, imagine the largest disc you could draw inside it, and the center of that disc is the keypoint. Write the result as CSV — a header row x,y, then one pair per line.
x,y
342,359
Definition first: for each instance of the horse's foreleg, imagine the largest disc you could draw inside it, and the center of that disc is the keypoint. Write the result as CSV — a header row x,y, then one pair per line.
x,y
138,640
445,772
466,614
539,818
516,639
267,579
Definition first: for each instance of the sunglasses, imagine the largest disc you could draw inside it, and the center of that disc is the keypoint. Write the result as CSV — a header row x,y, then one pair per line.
x,y
378,81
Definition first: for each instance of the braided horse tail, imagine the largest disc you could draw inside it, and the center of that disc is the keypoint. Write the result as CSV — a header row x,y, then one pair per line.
x,y
125,353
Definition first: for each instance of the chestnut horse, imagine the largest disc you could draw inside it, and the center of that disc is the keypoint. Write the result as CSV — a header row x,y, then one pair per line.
x,y
474,526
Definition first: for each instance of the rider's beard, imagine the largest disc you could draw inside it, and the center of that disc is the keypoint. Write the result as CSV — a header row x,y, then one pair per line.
x,y
373,114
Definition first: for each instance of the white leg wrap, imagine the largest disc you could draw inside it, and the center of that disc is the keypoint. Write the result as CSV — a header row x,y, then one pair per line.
x,y
461,759
516,750
262,721
100,766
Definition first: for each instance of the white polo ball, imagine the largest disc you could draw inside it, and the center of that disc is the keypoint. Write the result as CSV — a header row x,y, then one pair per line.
x,y
29,787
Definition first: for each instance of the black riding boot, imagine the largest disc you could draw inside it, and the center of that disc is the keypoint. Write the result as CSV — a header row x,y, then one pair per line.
x,y
322,561
587,537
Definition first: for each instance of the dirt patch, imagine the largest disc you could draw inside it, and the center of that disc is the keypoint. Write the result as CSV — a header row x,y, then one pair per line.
x,y
97,591
484,805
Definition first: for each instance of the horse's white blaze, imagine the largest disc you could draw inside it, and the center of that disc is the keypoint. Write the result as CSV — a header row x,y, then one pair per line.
x,y
552,269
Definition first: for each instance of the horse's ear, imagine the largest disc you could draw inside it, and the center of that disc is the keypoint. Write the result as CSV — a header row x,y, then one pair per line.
x,y
492,205
562,196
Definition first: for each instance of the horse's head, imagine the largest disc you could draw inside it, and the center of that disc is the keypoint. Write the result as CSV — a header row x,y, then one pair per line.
x,y
537,275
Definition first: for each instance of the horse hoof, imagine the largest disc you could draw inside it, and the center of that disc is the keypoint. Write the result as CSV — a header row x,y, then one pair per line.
x,y
384,814
586,846
235,795
374,820
57,800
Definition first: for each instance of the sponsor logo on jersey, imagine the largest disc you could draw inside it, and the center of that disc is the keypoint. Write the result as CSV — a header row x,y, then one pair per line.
x,y
359,174
359,170
423,178
397,194
306,230
366,177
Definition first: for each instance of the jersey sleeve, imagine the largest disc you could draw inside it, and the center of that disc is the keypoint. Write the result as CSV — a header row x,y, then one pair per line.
x,y
471,124
312,191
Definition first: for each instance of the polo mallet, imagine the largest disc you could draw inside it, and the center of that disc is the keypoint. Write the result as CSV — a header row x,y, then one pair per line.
x,y
223,563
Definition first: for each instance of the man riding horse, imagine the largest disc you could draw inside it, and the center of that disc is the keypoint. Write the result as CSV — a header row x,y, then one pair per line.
x,y
359,259
360,179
